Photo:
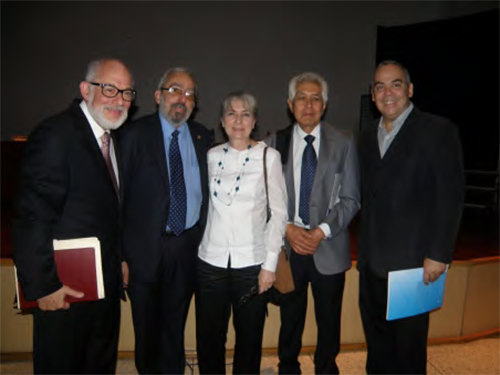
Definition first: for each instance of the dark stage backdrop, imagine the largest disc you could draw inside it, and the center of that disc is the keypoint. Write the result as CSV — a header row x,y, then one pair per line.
x,y
257,46
454,65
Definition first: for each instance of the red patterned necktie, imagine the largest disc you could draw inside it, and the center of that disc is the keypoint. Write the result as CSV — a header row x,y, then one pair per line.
x,y
105,149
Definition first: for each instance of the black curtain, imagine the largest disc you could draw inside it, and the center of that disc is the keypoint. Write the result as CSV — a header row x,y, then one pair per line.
x,y
454,66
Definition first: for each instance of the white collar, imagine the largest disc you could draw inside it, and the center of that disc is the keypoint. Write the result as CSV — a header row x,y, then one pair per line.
x,y
96,128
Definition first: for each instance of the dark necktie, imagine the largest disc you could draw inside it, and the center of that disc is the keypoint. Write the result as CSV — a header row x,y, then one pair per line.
x,y
105,149
177,212
309,163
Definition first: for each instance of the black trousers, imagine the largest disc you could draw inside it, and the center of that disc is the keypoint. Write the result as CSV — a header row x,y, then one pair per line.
x,y
218,290
327,292
160,308
393,347
81,340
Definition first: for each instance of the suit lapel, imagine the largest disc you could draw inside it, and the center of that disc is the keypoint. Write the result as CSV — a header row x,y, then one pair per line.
x,y
118,173
284,144
201,154
157,142
402,139
290,181
397,149
371,146
327,147
198,143
89,138
91,144
118,155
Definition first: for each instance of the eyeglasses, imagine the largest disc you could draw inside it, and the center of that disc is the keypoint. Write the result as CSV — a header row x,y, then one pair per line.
x,y
177,91
111,91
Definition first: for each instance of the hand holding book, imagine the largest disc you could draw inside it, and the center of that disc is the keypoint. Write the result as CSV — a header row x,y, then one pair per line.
x,y
79,269
57,300
409,295
432,270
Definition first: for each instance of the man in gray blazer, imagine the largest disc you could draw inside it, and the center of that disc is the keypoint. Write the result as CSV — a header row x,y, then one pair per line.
x,y
321,171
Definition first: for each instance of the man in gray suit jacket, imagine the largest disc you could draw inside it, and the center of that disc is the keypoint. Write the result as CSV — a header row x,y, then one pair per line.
x,y
323,197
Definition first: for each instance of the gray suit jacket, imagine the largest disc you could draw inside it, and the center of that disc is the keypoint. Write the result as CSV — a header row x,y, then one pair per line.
x,y
335,196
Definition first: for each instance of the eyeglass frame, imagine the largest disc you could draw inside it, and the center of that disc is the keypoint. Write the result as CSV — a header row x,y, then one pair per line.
x,y
118,91
177,91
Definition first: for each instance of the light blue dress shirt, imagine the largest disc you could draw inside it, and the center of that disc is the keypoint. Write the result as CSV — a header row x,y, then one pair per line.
x,y
190,166
385,138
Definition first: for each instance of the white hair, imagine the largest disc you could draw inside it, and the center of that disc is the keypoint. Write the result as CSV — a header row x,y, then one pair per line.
x,y
307,77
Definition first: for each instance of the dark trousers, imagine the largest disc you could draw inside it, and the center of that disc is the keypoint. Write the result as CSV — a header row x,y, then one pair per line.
x,y
393,347
81,340
327,292
218,290
160,308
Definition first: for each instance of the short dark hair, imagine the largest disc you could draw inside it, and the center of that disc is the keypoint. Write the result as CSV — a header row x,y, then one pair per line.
x,y
394,62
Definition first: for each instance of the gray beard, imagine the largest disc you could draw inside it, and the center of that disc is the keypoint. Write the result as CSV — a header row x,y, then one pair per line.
x,y
170,119
98,115
104,123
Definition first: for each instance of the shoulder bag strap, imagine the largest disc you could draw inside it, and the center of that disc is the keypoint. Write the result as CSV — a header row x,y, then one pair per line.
x,y
265,184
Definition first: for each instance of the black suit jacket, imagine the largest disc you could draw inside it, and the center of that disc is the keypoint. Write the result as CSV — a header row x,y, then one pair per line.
x,y
65,191
412,198
147,194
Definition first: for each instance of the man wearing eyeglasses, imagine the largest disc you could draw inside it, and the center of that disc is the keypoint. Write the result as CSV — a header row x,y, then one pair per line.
x,y
69,188
165,206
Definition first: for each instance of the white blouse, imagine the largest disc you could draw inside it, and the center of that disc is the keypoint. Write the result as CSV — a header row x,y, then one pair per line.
x,y
236,225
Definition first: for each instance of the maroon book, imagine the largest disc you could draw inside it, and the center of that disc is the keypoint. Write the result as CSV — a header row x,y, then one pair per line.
x,y
79,266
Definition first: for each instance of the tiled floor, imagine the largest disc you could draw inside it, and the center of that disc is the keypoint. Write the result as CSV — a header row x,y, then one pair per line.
x,y
479,357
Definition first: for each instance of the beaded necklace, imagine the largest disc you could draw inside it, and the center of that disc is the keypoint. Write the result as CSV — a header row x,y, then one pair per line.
x,y
223,195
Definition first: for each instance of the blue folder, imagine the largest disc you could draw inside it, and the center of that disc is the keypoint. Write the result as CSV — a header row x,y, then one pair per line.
x,y
407,295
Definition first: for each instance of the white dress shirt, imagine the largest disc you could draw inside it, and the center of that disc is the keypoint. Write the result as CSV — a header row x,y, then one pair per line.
x,y
98,133
299,144
236,226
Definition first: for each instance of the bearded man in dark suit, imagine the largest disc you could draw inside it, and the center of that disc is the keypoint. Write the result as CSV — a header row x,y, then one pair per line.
x,y
412,196
165,207
69,189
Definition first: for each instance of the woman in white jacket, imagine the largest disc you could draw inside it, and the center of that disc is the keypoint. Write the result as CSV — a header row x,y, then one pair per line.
x,y
239,250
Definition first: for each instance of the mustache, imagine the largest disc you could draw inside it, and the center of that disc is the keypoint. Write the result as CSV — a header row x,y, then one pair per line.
x,y
179,105
120,108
